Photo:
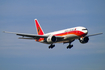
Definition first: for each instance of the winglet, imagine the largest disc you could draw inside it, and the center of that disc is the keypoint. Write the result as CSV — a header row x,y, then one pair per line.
x,y
9,32
38,27
4,31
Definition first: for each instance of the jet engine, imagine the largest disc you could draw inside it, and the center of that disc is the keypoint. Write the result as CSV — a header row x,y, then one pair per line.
x,y
51,39
84,40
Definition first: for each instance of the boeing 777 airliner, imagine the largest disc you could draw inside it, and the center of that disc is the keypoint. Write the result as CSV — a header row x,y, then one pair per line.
x,y
62,36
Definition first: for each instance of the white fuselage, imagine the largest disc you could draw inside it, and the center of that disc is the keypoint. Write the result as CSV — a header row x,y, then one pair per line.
x,y
68,34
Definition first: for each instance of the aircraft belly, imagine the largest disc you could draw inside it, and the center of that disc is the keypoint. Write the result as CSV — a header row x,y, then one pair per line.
x,y
68,38
71,36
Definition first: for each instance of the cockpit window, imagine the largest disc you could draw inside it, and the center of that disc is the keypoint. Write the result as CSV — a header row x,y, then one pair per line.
x,y
84,29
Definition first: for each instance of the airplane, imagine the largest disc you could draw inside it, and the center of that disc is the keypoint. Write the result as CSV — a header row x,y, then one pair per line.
x,y
61,36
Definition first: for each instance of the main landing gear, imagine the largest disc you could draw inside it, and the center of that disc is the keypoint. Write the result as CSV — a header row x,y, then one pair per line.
x,y
69,46
51,46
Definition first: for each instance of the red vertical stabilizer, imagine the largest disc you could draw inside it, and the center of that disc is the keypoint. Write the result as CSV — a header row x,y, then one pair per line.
x,y
38,27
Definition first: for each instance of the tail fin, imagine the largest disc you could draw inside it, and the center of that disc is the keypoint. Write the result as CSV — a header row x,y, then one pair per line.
x,y
38,27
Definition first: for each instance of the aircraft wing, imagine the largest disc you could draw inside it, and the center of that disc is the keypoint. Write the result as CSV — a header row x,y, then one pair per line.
x,y
94,34
31,36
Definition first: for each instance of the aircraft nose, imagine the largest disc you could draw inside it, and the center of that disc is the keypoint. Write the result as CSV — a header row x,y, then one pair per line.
x,y
85,31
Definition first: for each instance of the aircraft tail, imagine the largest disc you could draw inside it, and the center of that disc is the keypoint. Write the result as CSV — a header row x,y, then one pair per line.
x,y
38,27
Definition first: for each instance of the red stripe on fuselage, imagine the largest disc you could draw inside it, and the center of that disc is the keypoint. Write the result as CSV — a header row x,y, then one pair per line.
x,y
78,33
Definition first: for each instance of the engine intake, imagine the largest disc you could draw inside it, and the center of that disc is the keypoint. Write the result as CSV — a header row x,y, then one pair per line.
x,y
84,40
51,39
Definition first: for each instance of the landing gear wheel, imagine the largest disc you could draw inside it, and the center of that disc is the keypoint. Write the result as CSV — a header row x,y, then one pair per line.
x,y
69,46
51,46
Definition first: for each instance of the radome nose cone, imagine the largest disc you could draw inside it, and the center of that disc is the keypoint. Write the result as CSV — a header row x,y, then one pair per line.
x,y
86,32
